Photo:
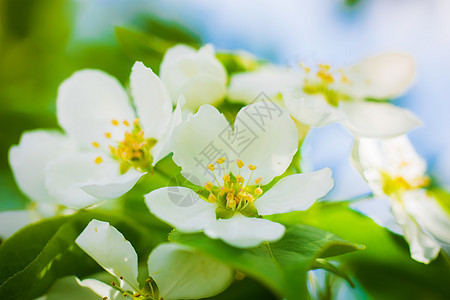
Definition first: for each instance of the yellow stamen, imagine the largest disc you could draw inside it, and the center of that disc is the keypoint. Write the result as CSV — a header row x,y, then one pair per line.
x,y
324,73
252,167
136,121
239,163
209,186
212,198
95,144
258,180
115,122
258,191
226,178
108,135
126,123
220,160
239,178
230,196
249,197
210,167
98,160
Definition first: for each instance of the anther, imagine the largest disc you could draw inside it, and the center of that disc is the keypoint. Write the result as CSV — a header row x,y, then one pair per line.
x,y
258,191
212,198
136,121
239,178
226,178
210,167
230,197
121,277
98,160
220,160
252,167
126,123
209,186
108,135
115,122
95,144
239,163
258,180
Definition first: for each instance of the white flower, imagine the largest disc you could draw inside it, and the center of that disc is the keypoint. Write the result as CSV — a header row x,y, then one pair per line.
x,y
393,169
175,272
29,160
118,146
352,96
270,80
197,75
230,200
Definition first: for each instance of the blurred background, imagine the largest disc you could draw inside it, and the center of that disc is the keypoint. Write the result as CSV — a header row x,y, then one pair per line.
x,y
42,42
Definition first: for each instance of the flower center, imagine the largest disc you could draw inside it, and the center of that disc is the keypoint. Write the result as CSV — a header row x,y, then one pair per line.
x,y
236,193
322,83
133,150
392,185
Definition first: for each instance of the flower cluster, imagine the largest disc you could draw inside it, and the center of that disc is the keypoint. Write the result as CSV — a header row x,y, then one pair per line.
x,y
238,173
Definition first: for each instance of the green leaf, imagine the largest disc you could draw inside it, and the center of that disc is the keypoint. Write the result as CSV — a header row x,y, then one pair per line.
x,y
385,270
236,62
281,266
246,288
33,258
150,46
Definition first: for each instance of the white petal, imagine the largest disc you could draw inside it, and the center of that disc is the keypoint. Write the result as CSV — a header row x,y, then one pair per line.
x,y
181,207
28,160
295,192
112,186
73,178
373,119
243,232
200,141
163,146
264,136
203,89
430,215
312,110
198,75
69,288
422,247
87,103
100,288
13,220
182,274
271,80
383,76
108,247
152,101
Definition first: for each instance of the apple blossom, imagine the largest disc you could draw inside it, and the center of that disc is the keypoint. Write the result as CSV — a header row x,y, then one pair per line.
x,y
355,96
29,160
117,145
393,169
197,75
231,198
175,271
